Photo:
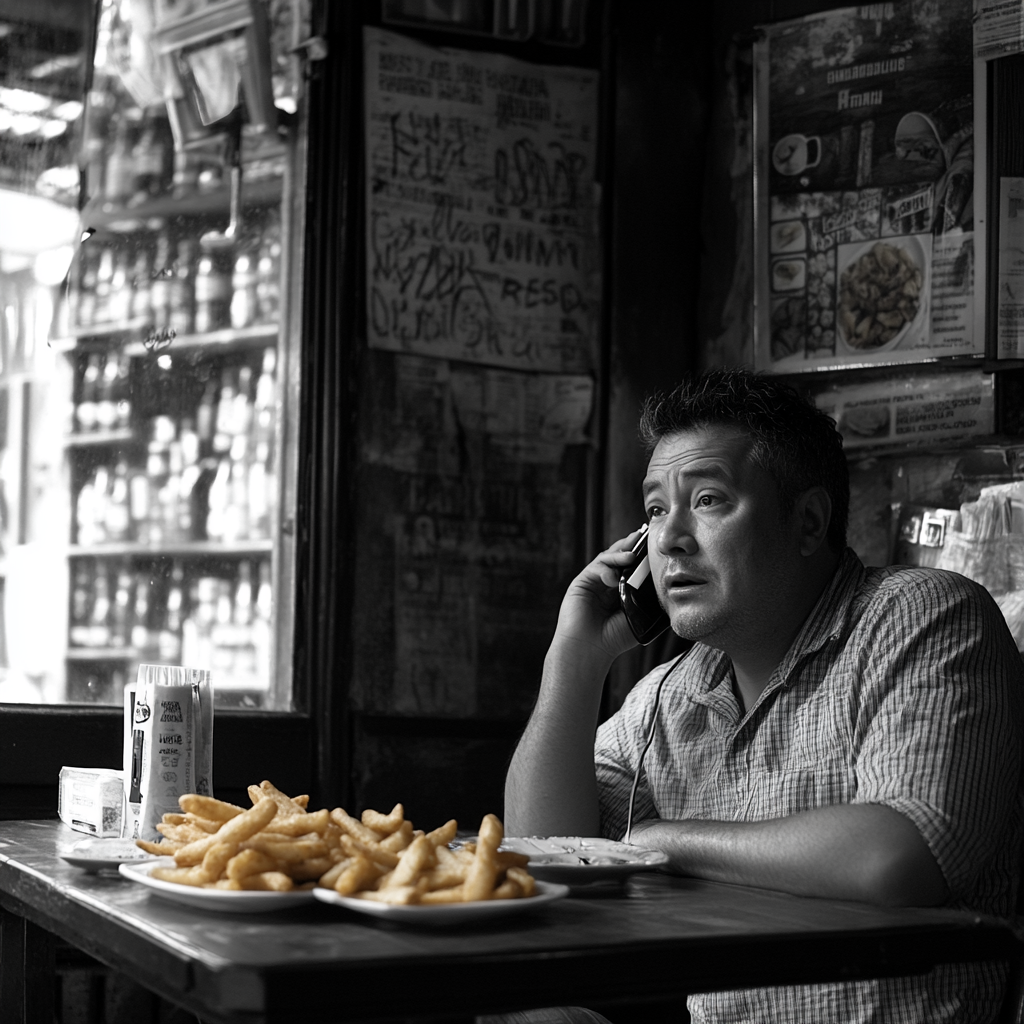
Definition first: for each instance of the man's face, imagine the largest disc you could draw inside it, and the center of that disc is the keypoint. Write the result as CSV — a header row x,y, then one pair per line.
x,y
721,554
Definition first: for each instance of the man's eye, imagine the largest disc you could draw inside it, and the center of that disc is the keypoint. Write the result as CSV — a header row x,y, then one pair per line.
x,y
706,501
653,511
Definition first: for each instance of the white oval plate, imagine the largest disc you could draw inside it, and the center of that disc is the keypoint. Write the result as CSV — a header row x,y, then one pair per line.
x,y
446,913
575,860
104,854
221,900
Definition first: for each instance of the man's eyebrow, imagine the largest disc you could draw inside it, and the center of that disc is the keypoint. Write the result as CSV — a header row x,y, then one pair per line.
x,y
713,472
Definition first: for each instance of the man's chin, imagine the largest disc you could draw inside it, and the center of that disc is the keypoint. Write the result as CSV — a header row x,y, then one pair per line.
x,y
693,626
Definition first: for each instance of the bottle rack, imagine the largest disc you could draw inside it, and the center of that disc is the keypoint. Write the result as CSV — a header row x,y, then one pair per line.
x,y
172,453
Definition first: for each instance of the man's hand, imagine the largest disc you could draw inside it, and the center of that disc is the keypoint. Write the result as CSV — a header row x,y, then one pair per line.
x,y
551,786
590,612
865,852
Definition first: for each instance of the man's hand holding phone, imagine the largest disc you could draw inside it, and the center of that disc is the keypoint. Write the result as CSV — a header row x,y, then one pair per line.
x,y
592,610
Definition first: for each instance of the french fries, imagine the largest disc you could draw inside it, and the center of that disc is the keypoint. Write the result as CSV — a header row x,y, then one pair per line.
x,y
277,845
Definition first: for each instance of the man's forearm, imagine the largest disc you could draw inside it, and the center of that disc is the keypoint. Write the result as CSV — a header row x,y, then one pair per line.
x,y
551,788
852,851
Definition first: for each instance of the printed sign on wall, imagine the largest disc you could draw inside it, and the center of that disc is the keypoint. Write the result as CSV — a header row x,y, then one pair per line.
x,y
864,123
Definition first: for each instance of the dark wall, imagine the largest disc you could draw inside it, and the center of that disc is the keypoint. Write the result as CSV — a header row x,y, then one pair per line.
x,y
663,67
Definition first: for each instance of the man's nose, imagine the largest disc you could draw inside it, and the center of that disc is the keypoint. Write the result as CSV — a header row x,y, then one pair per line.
x,y
676,535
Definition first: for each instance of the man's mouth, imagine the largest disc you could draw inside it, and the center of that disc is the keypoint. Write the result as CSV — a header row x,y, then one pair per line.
x,y
681,583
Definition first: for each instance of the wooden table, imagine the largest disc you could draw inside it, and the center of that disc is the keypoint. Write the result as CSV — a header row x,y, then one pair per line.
x,y
656,937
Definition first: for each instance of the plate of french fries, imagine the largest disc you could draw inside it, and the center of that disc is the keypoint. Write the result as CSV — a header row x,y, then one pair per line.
x,y
427,882
277,853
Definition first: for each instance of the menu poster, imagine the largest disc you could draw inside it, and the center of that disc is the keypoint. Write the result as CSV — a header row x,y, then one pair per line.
x,y
481,220
911,411
864,185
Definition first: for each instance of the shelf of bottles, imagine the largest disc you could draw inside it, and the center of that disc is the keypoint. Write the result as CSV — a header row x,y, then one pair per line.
x,y
172,335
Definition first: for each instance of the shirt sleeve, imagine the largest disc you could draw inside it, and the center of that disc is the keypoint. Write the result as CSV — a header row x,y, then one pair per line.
x,y
939,727
617,749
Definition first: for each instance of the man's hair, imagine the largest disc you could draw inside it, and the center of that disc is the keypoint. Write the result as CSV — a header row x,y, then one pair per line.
x,y
793,441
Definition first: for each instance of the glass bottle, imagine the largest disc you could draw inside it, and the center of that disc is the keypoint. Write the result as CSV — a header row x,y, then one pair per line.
x,y
119,301
120,169
141,306
224,422
138,504
244,296
123,393
141,634
85,411
181,312
170,634
99,621
118,510
120,626
81,603
212,293
104,283
206,415
85,313
268,287
106,400
151,160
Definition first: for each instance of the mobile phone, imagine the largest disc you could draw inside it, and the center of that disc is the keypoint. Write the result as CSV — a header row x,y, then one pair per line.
x,y
639,599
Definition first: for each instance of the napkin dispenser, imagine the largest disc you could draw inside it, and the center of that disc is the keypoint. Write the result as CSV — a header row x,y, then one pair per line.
x,y
169,750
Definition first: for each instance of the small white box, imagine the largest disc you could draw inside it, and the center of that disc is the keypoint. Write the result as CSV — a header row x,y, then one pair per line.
x,y
91,799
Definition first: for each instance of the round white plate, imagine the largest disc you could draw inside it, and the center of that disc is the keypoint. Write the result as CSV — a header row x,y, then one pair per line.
x,y
446,913
222,900
104,854
575,860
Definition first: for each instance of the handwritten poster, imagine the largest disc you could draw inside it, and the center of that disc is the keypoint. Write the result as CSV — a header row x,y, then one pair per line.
x,y
865,186
481,217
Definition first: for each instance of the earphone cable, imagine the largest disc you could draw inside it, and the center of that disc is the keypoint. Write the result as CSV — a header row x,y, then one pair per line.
x,y
648,742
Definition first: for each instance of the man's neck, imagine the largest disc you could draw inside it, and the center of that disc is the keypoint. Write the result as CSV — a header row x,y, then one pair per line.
x,y
753,669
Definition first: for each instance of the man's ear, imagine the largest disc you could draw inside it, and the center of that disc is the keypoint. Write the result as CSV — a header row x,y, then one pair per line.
x,y
813,513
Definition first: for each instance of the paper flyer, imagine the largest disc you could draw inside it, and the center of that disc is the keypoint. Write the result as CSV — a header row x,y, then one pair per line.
x,y
912,411
1010,304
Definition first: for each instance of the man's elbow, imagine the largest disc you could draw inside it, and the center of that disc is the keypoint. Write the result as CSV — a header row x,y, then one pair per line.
x,y
903,878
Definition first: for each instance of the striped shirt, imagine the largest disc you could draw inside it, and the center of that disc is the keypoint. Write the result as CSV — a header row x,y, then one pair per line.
x,y
903,688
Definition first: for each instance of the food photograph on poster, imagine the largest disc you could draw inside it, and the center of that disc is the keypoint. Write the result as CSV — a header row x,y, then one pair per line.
x,y
865,187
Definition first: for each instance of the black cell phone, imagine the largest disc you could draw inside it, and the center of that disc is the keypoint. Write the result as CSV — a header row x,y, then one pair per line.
x,y
639,599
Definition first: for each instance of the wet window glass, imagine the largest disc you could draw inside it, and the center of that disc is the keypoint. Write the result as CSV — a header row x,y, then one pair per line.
x,y
144,396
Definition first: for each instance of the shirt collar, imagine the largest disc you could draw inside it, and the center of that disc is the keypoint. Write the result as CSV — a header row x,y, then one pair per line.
x,y
829,617
826,623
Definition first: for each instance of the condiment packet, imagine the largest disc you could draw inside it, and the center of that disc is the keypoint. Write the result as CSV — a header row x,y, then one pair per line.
x,y
171,745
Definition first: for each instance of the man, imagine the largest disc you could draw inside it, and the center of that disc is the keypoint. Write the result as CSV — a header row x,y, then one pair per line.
x,y
835,731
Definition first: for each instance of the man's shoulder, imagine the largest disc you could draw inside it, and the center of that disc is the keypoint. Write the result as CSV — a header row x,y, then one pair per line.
x,y
913,600
917,583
